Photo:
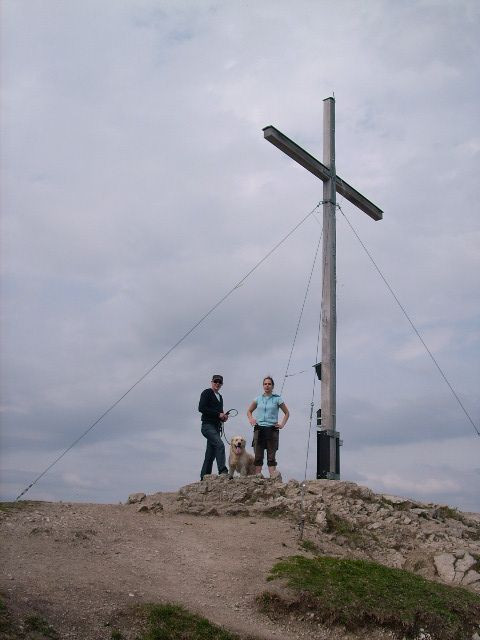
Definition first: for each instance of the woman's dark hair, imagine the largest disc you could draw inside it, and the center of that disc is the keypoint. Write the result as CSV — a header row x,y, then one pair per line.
x,y
271,380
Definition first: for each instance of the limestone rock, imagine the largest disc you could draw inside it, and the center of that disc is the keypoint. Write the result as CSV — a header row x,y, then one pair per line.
x,y
464,563
321,520
458,577
391,558
343,517
133,498
153,506
470,577
445,565
422,513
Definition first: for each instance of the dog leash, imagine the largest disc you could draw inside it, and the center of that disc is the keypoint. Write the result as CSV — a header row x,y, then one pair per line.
x,y
231,413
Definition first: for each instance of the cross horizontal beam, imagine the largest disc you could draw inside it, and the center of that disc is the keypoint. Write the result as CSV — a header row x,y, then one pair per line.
x,y
319,170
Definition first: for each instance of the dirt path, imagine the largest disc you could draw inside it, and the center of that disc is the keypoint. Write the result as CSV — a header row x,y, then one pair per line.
x,y
81,565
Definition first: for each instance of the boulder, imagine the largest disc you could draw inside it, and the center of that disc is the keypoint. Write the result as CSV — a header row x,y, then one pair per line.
x,y
445,566
470,577
133,498
465,563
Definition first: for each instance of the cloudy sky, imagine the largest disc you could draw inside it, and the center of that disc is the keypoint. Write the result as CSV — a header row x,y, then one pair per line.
x,y
137,189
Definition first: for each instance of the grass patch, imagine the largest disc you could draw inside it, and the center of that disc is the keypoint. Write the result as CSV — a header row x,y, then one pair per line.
x,y
341,527
40,625
6,626
358,593
337,524
445,512
7,507
308,545
472,533
406,505
361,494
473,529
172,622
34,627
148,622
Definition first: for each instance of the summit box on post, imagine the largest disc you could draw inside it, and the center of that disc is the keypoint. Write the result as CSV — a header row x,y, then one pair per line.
x,y
328,451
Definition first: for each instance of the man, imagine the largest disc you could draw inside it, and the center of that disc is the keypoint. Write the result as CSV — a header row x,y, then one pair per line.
x,y
211,408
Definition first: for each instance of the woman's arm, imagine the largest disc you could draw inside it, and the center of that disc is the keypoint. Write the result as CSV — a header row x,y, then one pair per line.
x,y
285,410
250,417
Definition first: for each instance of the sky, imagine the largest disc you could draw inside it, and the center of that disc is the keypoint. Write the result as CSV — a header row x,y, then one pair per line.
x,y
137,190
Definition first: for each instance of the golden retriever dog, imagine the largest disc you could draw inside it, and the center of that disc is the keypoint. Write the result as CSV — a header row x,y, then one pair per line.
x,y
239,459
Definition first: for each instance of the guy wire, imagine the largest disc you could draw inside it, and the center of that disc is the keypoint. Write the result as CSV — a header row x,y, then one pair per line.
x,y
185,335
301,312
411,322
302,494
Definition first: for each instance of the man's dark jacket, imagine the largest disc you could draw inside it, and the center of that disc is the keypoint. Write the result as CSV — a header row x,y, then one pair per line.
x,y
210,407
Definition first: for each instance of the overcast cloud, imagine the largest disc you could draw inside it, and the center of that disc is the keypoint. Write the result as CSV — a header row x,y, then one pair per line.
x,y
137,189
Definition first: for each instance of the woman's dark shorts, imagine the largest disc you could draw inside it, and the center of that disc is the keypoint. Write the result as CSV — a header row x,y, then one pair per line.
x,y
265,438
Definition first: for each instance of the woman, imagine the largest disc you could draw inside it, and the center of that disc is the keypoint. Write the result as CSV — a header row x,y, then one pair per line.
x,y
266,425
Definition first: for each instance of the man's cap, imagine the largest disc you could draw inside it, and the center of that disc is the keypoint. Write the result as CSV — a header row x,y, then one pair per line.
x,y
217,377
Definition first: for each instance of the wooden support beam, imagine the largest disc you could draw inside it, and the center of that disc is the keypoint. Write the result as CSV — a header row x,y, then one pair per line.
x,y
306,160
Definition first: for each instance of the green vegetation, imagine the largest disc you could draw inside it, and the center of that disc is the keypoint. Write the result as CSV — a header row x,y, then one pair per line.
x,y
6,627
357,593
341,527
337,524
172,622
473,529
40,625
473,533
361,494
308,545
445,512
153,622
34,627
11,506
398,506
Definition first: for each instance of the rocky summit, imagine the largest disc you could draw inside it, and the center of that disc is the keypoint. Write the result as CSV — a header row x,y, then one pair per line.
x,y
84,571
345,519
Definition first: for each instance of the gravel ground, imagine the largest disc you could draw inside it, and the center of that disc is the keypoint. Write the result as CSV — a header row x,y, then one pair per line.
x,y
82,566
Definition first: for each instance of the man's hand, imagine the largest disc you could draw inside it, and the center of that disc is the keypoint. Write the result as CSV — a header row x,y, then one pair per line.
x,y
223,417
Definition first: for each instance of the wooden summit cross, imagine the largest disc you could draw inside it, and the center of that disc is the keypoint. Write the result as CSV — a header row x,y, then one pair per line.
x,y
328,438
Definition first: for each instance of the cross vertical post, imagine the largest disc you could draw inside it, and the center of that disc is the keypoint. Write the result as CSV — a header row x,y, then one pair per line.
x,y
328,438
329,283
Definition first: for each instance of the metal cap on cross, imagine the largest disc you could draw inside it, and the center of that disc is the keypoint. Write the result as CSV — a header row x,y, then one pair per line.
x,y
328,438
